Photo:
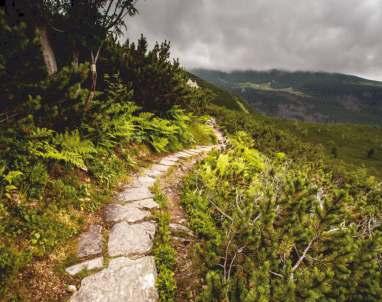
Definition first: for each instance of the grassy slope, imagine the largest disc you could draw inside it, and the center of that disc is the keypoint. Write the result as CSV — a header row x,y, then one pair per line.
x,y
222,97
352,142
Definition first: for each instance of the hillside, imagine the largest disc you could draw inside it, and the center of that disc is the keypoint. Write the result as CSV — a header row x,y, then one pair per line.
x,y
309,96
345,144
221,97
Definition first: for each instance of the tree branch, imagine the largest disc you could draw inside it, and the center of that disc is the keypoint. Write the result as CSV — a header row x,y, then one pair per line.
x,y
303,254
221,211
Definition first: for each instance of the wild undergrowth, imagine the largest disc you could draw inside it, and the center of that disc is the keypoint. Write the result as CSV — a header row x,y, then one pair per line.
x,y
59,162
276,227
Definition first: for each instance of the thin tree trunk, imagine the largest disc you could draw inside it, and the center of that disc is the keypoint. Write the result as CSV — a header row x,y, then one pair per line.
x,y
93,70
47,51
76,57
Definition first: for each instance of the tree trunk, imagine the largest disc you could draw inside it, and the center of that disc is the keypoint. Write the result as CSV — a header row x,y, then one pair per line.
x,y
93,70
47,51
76,58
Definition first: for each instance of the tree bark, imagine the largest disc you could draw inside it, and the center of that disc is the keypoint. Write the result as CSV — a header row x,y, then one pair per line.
x,y
47,51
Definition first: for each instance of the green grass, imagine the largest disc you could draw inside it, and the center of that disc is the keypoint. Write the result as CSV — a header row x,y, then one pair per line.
x,y
343,142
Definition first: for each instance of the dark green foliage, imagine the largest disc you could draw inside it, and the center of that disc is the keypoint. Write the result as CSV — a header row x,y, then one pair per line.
x,y
370,153
273,228
157,81
21,65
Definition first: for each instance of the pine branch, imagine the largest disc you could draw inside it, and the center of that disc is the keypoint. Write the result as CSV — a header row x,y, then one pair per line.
x,y
303,254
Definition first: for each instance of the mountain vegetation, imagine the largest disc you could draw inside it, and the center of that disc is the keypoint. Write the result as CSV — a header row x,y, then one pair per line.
x,y
308,96
64,146
288,211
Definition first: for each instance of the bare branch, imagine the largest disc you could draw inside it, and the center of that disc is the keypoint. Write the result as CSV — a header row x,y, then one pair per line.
x,y
240,250
276,274
221,211
303,254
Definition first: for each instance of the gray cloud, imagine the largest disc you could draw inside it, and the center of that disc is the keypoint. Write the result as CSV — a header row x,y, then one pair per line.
x,y
329,35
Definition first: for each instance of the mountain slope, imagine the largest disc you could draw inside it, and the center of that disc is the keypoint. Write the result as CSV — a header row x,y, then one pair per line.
x,y
221,96
309,96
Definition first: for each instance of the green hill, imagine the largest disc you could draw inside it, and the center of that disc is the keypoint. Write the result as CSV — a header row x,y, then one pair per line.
x,y
309,96
221,96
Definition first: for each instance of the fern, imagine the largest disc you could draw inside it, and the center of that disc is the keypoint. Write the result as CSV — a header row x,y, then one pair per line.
x,y
67,147
159,143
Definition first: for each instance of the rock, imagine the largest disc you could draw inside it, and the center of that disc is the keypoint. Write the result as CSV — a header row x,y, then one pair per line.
x,y
191,152
178,228
133,194
167,162
182,154
142,181
124,280
88,265
71,288
155,169
130,213
145,204
90,243
182,240
134,239
174,158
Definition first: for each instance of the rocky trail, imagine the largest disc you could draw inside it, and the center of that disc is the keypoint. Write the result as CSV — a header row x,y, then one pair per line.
x,y
119,254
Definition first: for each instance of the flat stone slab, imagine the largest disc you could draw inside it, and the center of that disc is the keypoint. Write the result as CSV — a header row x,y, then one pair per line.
x,y
131,239
124,280
190,153
173,157
133,194
130,213
90,242
182,154
88,265
145,204
167,162
157,170
145,181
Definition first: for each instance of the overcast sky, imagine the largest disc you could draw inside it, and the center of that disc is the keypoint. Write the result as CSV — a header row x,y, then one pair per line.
x,y
327,35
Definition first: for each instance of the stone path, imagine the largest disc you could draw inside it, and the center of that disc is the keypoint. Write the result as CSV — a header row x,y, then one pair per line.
x,y
130,274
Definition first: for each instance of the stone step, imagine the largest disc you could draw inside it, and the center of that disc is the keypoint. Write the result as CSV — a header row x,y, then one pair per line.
x,y
86,265
129,213
131,239
133,194
90,242
124,280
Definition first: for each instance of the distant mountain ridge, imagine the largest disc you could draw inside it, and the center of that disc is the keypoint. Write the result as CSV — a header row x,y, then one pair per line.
x,y
303,95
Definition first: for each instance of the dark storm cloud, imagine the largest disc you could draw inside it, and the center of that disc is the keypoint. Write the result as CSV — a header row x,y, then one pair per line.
x,y
329,35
